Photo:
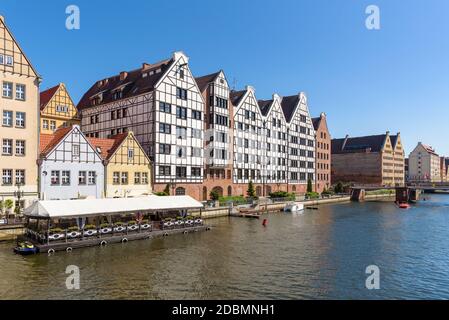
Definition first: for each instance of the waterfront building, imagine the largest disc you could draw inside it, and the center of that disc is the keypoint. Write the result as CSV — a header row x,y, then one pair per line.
x,y
70,167
406,170
444,169
424,164
323,153
163,106
127,169
19,105
218,139
57,109
376,160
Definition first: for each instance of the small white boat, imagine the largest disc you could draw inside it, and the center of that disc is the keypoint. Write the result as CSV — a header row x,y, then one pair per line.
x,y
293,207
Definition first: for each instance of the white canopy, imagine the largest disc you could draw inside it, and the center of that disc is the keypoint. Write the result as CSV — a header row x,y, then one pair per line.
x,y
95,207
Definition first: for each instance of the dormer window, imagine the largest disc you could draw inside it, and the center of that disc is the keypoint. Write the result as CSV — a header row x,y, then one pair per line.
x,y
181,74
117,95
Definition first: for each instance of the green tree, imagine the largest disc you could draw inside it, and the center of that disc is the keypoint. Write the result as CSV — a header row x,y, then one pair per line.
x,y
2,206
167,189
251,192
8,205
338,188
309,186
214,195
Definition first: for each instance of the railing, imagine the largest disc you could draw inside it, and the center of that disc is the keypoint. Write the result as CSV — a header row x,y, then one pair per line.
x,y
110,230
11,221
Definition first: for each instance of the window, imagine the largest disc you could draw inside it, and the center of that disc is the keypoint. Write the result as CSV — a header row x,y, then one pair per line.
x,y
180,191
92,177
116,178
196,115
7,89
63,109
9,60
164,170
20,147
222,120
75,150
196,172
164,107
164,148
181,93
7,147
130,153
20,177
55,178
53,125
144,178
124,178
65,178
82,178
7,177
221,103
181,172
137,178
196,152
197,133
20,92
2,59
181,113
124,112
7,118
45,124
181,132
181,152
20,119
164,128
113,115
181,74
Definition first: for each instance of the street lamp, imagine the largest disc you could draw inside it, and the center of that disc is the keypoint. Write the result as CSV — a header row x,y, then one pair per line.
x,y
19,194
173,185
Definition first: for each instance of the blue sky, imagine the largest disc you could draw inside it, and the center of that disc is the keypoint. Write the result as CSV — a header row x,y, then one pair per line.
x,y
368,82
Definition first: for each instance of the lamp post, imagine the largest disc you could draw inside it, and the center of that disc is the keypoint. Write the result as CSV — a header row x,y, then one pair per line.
x,y
173,185
19,195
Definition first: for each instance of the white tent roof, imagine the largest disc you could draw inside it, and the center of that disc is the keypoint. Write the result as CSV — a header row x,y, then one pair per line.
x,y
93,207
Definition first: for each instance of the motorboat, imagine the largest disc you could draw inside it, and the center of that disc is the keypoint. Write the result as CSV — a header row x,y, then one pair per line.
x,y
294,207
25,248
404,206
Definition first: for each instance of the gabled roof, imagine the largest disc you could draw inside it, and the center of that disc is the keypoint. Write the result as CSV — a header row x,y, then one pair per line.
x,y
265,106
132,85
289,105
358,144
45,96
107,147
49,141
429,149
236,96
204,81
316,122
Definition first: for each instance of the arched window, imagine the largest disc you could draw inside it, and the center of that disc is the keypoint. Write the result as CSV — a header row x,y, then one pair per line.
x,y
205,193
180,191
229,191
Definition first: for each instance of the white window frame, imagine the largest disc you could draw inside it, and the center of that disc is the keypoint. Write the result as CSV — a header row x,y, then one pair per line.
x,y
9,118
20,121
20,176
7,175
55,178
7,88
76,150
92,178
20,92
7,146
20,147
65,178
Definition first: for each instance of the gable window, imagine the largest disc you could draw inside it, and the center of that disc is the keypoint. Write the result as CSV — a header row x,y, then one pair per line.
x,y
2,59
7,177
181,74
181,93
82,178
130,153
20,147
9,60
75,150
20,92
7,118
65,178
7,90
54,178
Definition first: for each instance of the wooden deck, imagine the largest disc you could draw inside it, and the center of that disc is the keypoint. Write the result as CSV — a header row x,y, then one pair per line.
x,y
109,239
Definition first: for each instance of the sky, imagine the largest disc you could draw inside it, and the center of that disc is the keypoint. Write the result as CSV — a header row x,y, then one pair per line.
x,y
367,81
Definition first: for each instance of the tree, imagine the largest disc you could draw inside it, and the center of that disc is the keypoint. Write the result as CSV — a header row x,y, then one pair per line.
x,y
338,188
309,186
2,206
8,205
251,192
214,195
167,189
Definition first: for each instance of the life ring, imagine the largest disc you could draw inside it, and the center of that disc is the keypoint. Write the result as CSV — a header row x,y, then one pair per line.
x,y
69,249
103,243
124,240
50,251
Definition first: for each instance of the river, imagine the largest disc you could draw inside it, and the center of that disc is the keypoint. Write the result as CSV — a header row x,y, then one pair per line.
x,y
321,254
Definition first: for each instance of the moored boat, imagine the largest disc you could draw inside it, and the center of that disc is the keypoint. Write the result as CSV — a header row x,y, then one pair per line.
x,y
294,207
25,248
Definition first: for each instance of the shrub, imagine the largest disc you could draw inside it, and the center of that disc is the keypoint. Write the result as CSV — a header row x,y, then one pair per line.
x,y
71,229
312,195
161,194
132,223
104,225
118,224
214,195
338,188
167,190
90,227
309,186
56,230
251,192
234,199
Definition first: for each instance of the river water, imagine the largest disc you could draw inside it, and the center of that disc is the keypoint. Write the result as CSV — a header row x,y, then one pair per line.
x,y
321,254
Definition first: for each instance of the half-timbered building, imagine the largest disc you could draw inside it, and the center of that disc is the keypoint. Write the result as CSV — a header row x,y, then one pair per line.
x,y
162,104
57,109
70,167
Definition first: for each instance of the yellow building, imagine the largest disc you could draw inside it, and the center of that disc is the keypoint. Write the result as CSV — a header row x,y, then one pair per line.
x,y
127,167
57,109
19,131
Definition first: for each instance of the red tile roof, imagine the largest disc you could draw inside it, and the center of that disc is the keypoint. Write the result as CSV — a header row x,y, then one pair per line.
x,y
47,95
49,141
107,147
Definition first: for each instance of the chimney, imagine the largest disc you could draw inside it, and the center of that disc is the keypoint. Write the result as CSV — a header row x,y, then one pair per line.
x,y
322,115
123,75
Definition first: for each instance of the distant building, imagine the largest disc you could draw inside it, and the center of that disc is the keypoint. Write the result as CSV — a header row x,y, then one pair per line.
x,y
424,164
57,109
444,168
127,167
371,160
323,153
406,170
69,166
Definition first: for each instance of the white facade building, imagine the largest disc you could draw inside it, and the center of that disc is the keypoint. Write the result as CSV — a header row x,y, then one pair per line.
x,y
69,167
424,164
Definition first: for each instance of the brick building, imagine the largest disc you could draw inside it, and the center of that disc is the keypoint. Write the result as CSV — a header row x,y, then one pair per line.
x,y
323,153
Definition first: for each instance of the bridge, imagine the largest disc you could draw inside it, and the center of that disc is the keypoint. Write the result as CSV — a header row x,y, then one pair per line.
x,y
409,193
